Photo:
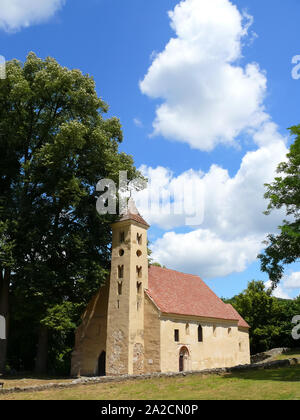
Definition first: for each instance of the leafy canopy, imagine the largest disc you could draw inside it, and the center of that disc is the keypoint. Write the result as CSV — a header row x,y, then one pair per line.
x,y
270,318
284,192
55,145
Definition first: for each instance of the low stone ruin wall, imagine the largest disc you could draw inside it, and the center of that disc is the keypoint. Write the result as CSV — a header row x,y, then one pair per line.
x,y
269,355
106,379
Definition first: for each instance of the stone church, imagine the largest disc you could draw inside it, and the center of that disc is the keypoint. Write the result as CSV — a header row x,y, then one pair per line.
x,y
152,319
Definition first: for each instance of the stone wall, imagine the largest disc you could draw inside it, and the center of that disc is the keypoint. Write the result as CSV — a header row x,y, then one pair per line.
x,y
90,336
224,344
268,355
152,338
105,379
138,359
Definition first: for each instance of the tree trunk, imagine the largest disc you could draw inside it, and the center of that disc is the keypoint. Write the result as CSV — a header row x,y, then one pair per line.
x,y
42,352
4,308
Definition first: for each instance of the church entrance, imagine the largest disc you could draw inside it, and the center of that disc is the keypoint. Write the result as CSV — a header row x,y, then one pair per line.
x,y
101,364
183,359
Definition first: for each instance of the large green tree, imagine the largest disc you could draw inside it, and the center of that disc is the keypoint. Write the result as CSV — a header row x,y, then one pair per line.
x,y
270,318
284,192
55,145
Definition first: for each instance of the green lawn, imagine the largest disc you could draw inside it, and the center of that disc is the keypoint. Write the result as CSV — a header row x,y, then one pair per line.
x,y
275,384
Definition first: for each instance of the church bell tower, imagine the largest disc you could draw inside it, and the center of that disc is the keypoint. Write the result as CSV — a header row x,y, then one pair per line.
x,y
128,280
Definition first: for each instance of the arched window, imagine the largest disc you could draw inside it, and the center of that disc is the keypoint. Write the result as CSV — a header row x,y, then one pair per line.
x,y
187,329
200,334
139,239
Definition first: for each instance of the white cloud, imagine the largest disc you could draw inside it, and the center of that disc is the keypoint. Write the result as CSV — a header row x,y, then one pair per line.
x,y
233,206
204,253
233,226
207,97
171,201
17,14
279,292
292,281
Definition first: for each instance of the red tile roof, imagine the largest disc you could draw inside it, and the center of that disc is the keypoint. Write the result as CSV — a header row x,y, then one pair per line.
x,y
186,294
242,322
136,217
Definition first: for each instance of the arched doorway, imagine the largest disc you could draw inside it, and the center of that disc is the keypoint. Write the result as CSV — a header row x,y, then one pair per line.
x,y
101,364
183,359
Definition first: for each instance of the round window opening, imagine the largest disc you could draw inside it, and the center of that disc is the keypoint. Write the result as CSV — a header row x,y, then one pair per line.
x,y
138,253
121,252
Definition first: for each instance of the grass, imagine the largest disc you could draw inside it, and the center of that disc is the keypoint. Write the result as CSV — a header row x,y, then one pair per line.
x,y
289,355
273,384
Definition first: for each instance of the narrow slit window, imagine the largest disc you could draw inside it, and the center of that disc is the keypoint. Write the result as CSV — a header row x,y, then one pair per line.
x,y
120,286
200,334
187,329
139,239
139,287
122,237
120,271
139,271
176,335
214,331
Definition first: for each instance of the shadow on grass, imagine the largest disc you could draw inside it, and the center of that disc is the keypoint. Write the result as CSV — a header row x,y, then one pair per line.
x,y
288,374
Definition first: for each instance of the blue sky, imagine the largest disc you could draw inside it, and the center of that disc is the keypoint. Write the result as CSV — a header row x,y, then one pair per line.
x,y
202,76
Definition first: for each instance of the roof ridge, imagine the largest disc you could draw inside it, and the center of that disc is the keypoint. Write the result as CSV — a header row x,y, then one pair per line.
x,y
176,271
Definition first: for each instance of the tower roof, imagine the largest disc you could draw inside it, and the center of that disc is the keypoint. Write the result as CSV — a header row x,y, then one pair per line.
x,y
132,213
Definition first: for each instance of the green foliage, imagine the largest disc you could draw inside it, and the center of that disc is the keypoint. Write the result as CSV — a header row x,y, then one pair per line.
x,y
284,192
270,318
6,246
60,317
55,145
